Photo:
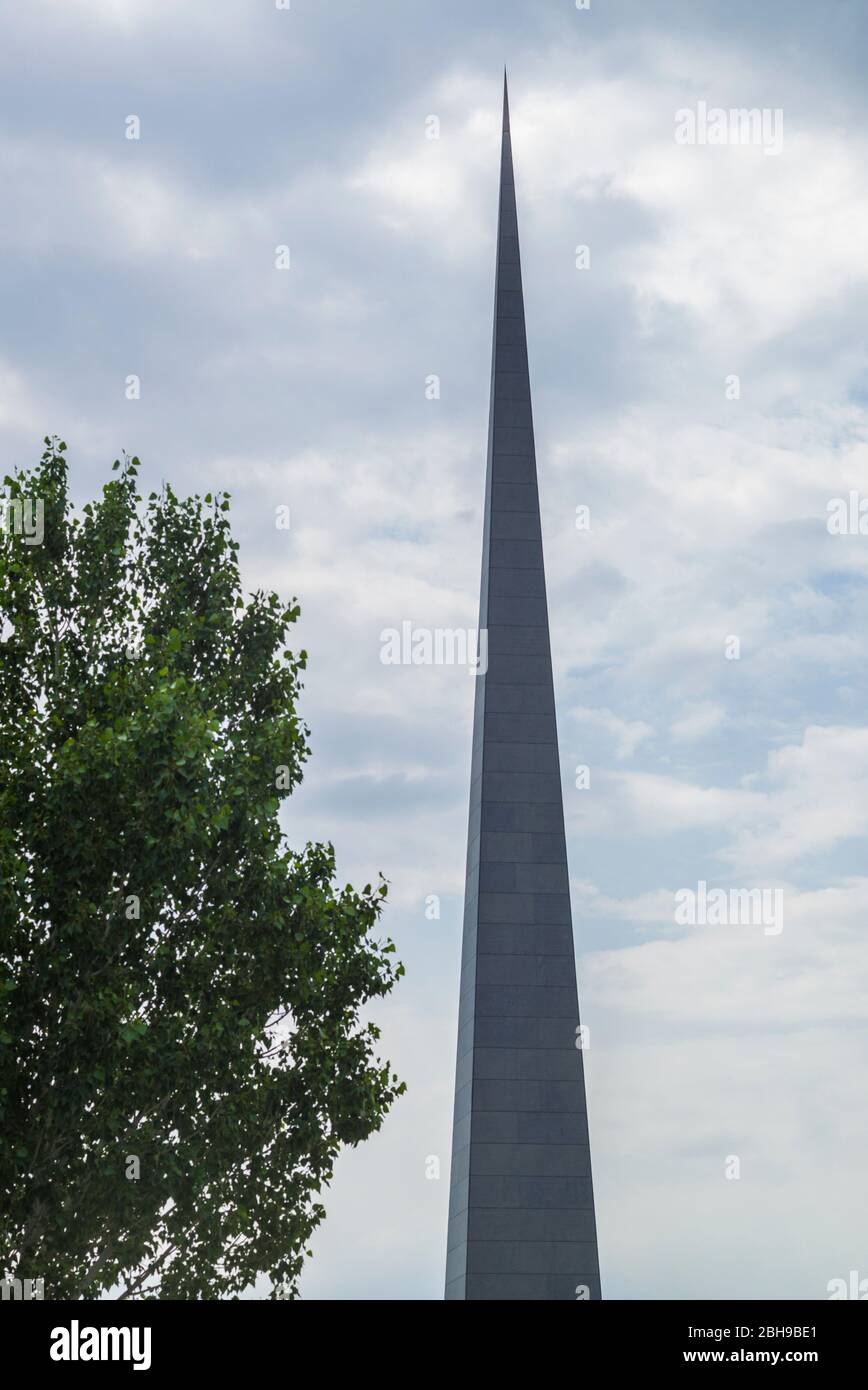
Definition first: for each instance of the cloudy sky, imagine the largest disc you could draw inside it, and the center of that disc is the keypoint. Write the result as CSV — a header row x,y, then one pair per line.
x,y
307,127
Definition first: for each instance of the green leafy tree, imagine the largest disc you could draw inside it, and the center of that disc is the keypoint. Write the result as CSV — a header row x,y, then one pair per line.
x,y
181,1049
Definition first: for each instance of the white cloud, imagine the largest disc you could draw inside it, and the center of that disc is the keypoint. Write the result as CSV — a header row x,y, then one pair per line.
x,y
627,733
727,1043
697,721
818,799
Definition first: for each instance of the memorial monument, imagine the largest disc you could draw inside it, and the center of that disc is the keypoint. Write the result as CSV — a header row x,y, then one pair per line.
x,y
521,1213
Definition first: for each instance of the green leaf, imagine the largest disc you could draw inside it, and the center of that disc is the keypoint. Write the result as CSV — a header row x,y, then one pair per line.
x,y
155,922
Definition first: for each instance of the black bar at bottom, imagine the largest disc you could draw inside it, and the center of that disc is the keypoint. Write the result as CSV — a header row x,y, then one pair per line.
x,y
255,1338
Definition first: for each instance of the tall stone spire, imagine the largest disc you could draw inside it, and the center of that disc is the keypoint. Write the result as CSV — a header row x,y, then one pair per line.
x,y
521,1212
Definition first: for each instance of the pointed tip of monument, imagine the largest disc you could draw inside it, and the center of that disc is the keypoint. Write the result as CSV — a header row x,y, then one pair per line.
x,y
505,102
